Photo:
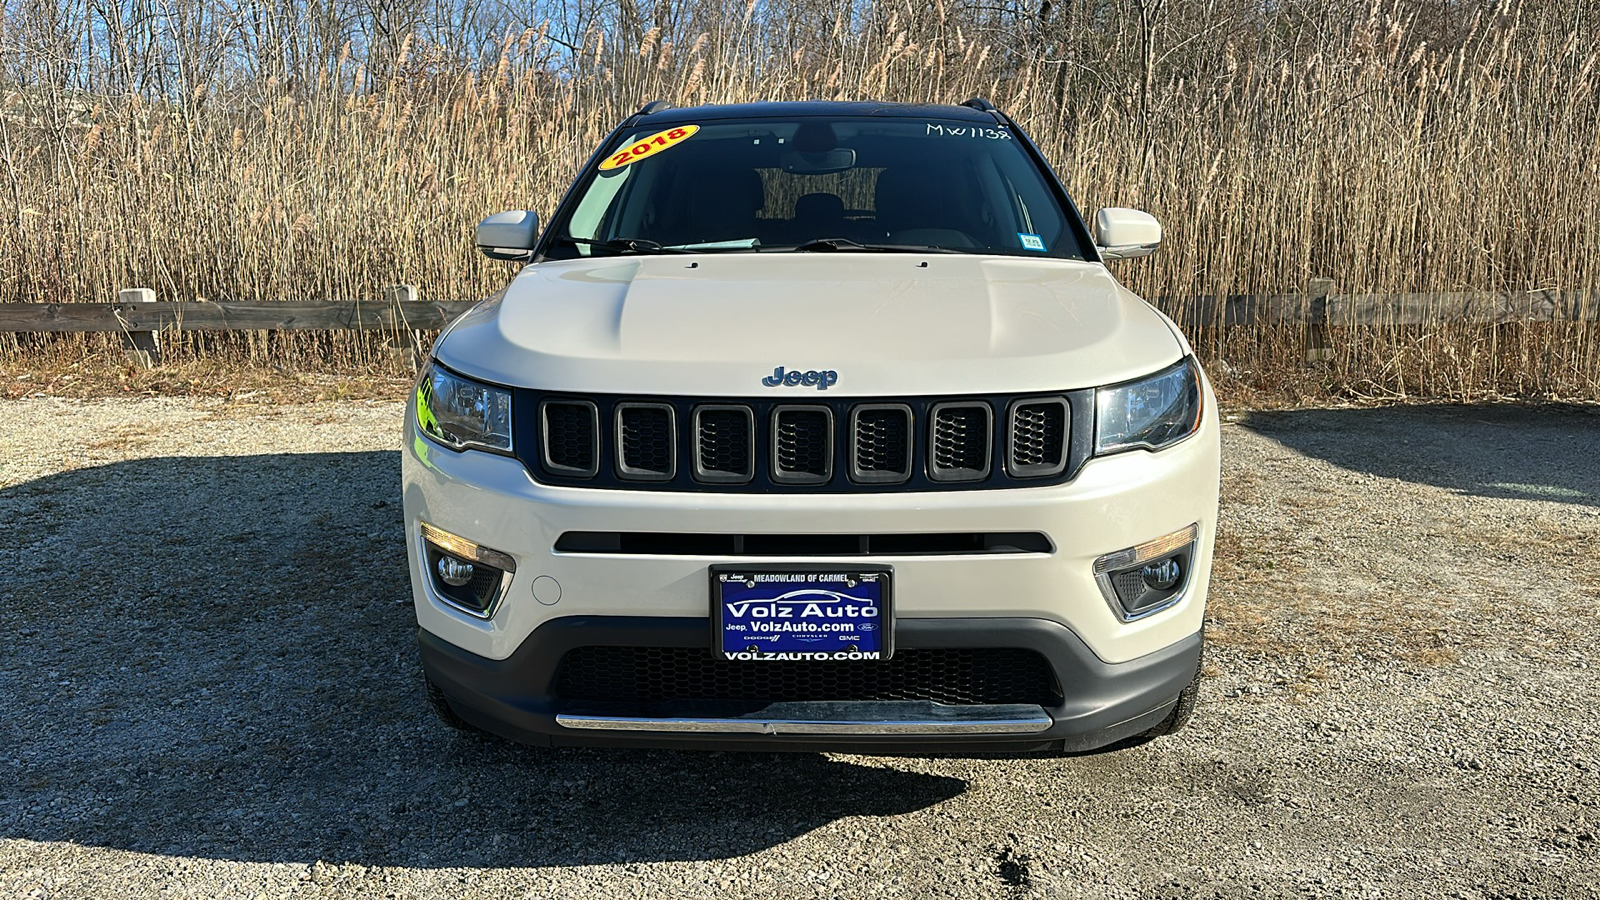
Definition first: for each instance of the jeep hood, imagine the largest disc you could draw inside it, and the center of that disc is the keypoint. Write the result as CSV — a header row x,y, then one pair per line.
x,y
888,324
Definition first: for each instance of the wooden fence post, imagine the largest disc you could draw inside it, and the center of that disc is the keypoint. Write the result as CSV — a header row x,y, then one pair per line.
x,y
404,339
1318,348
400,293
142,347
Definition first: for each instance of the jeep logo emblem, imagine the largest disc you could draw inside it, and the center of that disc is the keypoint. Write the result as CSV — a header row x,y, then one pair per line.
x,y
821,380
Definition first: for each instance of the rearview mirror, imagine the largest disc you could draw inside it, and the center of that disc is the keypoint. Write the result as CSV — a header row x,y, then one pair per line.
x,y
821,162
509,235
1125,233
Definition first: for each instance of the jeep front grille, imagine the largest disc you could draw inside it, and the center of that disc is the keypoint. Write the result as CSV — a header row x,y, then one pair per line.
x,y
570,437
802,444
880,437
810,444
1038,442
646,441
724,439
962,436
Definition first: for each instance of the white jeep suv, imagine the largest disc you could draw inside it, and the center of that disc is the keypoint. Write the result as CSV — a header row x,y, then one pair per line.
x,y
813,426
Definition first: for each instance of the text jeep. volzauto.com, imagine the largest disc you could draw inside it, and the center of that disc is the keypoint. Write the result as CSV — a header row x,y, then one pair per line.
x,y
813,426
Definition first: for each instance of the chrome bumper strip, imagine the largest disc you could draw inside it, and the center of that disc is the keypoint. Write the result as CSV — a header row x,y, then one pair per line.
x,y
865,718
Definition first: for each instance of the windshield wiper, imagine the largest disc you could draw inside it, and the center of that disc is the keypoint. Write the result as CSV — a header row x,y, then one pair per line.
x,y
829,244
624,245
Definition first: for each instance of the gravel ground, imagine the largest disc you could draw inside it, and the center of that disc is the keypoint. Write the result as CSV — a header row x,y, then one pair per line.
x,y
209,688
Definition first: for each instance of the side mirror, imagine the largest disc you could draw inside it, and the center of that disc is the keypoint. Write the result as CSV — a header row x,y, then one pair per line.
x,y
1125,233
509,235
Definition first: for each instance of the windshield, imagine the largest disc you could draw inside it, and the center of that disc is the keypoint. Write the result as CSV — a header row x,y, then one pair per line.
x,y
815,184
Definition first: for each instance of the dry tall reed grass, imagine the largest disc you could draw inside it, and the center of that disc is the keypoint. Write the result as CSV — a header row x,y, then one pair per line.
x,y
1355,151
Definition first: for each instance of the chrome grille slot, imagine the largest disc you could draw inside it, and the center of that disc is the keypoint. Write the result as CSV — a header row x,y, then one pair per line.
x,y
961,437
880,443
647,440
1038,437
570,437
802,444
724,444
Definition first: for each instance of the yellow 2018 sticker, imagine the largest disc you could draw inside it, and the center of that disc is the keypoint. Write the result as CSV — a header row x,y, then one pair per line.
x,y
646,147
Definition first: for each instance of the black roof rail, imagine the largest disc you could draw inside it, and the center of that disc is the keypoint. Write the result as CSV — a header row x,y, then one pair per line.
x,y
979,104
653,106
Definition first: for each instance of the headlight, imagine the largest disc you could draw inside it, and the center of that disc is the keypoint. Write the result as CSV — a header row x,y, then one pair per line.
x,y
460,413
1154,413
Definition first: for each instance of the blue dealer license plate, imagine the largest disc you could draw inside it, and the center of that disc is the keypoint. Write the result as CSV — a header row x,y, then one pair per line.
x,y
801,614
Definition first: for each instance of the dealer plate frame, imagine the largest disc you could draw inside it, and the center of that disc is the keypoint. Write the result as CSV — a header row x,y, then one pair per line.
x,y
887,615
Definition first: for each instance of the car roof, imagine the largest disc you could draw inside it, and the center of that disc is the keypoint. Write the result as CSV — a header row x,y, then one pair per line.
x,y
833,108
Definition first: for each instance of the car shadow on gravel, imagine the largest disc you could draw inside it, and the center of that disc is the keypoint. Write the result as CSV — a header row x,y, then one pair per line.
x,y
1508,451
214,657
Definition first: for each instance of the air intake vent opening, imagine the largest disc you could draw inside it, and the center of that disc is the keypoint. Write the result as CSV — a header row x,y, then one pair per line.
x,y
802,444
724,444
655,543
880,443
667,674
570,437
1038,437
962,435
647,442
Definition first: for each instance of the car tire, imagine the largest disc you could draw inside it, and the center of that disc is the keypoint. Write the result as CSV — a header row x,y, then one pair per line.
x,y
1181,713
441,708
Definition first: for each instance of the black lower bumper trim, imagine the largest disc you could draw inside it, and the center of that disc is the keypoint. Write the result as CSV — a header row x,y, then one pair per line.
x,y
514,697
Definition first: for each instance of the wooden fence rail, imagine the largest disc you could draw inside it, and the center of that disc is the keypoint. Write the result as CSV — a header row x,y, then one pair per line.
x,y
140,319
1467,307
317,315
136,313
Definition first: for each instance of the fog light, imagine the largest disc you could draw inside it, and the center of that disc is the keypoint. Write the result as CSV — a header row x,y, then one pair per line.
x,y
1147,578
453,571
1161,576
463,573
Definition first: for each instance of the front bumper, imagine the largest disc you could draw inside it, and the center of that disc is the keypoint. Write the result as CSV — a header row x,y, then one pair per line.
x,y
1100,703
1117,678
1113,503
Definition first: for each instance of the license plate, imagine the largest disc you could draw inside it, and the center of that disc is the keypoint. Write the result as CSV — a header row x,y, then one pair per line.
x,y
801,614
